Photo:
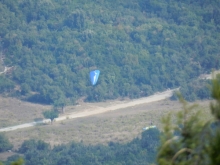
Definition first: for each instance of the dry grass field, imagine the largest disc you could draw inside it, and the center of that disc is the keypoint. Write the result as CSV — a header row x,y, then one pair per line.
x,y
121,125
14,112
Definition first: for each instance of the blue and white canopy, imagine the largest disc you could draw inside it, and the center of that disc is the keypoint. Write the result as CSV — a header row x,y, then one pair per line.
x,y
94,75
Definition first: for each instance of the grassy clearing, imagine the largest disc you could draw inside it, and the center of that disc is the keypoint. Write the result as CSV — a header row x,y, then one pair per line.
x,y
14,112
119,126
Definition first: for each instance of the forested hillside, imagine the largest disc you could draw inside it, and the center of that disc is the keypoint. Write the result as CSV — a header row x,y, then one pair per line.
x,y
138,152
139,46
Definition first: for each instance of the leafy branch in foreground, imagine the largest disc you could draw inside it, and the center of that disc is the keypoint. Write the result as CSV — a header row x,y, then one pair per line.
x,y
191,140
20,161
214,148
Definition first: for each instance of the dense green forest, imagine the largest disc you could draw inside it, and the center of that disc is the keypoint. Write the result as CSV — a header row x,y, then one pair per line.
x,y
139,46
137,152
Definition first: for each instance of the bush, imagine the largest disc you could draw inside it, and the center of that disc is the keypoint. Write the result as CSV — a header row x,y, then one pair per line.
x,y
4,143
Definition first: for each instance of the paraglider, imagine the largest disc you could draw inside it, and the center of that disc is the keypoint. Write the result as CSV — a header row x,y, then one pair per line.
x,y
94,75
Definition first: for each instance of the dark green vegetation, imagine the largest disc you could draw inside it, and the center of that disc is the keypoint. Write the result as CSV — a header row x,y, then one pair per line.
x,y
4,143
191,140
52,114
14,160
140,47
137,152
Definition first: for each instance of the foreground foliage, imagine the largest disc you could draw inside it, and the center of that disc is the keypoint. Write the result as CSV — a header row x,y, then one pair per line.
x,y
192,141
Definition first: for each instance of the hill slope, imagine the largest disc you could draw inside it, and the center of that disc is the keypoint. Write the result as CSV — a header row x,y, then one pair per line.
x,y
139,46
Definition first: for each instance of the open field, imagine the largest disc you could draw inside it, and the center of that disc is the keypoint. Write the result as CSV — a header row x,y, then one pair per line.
x,y
14,112
122,125
95,109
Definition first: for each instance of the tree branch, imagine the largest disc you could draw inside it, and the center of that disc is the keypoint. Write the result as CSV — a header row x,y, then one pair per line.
x,y
180,152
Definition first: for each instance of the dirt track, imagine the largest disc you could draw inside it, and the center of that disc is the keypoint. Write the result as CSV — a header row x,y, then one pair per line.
x,y
97,110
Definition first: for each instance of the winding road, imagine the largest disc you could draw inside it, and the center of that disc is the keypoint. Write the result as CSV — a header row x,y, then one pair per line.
x,y
97,110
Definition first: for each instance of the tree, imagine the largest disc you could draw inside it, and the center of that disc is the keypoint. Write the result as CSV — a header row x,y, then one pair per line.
x,y
20,161
192,141
150,139
28,145
214,149
52,114
4,143
25,89
60,103
6,85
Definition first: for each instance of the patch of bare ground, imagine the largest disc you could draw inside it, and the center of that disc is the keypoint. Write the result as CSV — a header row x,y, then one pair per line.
x,y
121,126
14,112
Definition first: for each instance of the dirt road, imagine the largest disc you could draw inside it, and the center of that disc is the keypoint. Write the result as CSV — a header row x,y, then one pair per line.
x,y
97,110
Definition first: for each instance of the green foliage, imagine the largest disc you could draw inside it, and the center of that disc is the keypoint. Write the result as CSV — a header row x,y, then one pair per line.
x,y
140,47
33,144
215,108
197,89
150,139
20,161
6,85
139,151
25,89
190,140
4,143
52,114
214,148
14,160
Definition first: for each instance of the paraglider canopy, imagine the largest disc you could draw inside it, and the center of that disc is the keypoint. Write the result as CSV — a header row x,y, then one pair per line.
x,y
94,75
